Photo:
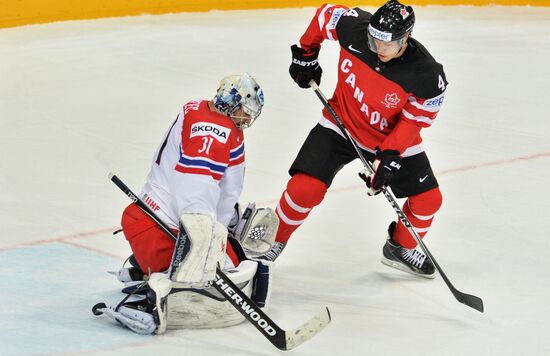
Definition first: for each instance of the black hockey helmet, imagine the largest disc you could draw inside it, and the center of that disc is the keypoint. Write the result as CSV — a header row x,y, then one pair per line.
x,y
391,22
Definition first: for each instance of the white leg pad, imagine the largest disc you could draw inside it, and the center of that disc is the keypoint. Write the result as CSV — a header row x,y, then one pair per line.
x,y
207,240
207,308
161,285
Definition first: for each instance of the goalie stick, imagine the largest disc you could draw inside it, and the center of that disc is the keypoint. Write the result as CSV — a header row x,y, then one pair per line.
x,y
467,299
280,338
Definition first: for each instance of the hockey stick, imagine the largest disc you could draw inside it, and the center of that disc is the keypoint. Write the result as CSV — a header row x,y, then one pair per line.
x,y
281,339
468,299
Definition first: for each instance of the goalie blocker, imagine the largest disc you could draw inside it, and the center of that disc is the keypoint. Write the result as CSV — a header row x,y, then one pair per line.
x,y
188,300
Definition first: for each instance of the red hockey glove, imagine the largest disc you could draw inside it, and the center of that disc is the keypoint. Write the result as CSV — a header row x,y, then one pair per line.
x,y
304,66
385,166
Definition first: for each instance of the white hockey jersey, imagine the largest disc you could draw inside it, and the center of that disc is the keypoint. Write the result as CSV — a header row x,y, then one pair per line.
x,y
198,168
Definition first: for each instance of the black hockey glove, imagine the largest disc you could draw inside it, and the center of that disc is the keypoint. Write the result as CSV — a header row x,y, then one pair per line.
x,y
386,164
304,66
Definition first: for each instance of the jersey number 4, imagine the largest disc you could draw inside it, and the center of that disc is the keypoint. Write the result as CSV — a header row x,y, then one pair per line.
x,y
441,83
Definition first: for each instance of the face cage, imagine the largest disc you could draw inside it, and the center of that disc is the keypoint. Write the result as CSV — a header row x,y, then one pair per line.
x,y
398,44
249,120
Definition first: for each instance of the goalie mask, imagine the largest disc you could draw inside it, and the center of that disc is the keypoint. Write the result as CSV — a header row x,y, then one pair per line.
x,y
240,92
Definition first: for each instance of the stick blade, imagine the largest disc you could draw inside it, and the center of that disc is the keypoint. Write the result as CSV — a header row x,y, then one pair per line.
x,y
470,300
301,334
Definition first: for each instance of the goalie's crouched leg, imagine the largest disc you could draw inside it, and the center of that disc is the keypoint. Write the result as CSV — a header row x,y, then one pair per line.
x,y
173,305
188,300
207,308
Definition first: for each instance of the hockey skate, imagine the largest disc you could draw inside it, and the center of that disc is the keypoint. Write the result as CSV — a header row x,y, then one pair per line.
x,y
273,253
406,260
143,316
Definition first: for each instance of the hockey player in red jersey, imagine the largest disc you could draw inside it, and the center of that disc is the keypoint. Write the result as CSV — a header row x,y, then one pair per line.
x,y
195,181
389,89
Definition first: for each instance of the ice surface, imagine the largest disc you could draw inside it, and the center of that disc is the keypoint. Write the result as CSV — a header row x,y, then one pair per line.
x,y
80,99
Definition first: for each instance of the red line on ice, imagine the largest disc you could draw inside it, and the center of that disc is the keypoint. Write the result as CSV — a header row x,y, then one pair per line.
x,y
67,239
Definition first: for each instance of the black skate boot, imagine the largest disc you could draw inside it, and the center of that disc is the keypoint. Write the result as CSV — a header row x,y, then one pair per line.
x,y
410,261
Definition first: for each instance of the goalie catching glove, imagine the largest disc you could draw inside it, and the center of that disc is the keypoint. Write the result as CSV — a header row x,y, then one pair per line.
x,y
255,229
386,165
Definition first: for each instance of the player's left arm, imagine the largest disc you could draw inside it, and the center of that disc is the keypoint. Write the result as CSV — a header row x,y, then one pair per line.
x,y
419,112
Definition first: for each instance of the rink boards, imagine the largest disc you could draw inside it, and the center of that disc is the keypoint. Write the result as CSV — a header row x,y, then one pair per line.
x,y
24,12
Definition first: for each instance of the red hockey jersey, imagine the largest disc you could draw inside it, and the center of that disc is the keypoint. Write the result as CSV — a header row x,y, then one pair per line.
x,y
381,104
198,168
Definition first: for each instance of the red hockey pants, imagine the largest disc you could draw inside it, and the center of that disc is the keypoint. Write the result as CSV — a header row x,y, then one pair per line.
x,y
151,246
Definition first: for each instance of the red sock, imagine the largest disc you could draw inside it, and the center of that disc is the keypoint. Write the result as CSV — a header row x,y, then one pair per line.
x,y
303,192
420,209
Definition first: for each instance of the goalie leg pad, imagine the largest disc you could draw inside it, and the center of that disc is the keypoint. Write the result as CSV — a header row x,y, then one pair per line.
x,y
207,240
159,288
207,308
262,284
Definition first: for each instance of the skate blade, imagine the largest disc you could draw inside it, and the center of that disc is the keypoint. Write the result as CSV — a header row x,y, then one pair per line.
x,y
402,268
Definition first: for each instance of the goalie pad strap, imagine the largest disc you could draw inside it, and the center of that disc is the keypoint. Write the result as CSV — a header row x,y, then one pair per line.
x,y
261,289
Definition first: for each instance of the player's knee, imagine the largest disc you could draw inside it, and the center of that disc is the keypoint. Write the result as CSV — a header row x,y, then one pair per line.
x,y
426,203
305,190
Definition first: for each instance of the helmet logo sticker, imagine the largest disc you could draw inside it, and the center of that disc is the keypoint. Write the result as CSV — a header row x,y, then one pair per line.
x,y
404,13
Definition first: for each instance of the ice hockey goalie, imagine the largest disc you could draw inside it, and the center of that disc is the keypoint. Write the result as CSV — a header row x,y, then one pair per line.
x,y
185,297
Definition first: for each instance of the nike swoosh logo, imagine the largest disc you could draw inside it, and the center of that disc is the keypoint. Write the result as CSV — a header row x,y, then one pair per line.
x,y
353,49
421,180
